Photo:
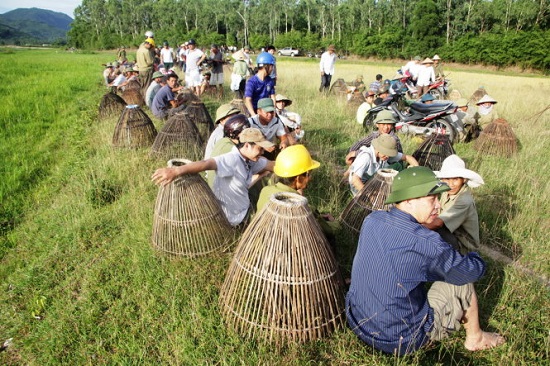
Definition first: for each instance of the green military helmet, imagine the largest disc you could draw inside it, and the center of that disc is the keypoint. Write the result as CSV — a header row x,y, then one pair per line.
x,y
415,182
385,117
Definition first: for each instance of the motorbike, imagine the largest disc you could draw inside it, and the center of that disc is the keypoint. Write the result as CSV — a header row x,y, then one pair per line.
x,y
404,84
419,118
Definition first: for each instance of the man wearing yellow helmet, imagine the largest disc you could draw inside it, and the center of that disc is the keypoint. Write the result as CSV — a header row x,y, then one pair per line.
x,y
145,58
292,167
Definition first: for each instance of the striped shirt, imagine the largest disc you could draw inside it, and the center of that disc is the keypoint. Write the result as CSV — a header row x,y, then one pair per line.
x,y
387,304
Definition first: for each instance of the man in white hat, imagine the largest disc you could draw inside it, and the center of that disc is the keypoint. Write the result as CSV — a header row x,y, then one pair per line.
x,y
387,305
486,111
458,223
426,76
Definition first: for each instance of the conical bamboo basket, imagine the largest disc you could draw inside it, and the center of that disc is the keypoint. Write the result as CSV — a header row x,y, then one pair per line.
x,y
187,96
355,101
133,96
477,95
497,138
178,137
133,85
433,151
111,105
199,115
283,284
188,219
339,87
371,198
134,128
239,104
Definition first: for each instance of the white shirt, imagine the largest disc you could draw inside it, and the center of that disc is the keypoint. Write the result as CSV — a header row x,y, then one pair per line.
x,y
366,164
215,136
192,58
167,54
327,63
426,76
413,68
233,175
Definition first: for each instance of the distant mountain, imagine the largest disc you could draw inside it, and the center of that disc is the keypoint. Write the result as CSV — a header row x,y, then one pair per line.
x,y
22,26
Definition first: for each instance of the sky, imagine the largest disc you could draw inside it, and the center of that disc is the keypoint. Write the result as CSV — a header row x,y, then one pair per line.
x,y
62,6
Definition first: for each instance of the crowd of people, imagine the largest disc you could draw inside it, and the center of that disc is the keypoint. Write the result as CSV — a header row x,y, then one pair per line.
x,y
430,234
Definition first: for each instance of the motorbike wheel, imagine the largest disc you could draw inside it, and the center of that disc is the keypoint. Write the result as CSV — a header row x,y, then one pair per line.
x,y
436,94
442,125
368,123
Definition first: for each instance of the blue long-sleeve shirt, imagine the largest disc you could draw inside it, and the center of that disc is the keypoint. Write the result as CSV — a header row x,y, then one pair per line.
x,y
387,305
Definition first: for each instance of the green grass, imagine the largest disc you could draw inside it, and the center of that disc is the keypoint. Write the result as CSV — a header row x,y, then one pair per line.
x,y
76,222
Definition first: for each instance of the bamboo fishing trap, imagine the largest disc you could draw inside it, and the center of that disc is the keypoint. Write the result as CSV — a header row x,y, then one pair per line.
x,y
477,95
134,128
371,198
133,96
188,219
111,105
178,137
497,138
433,150
239,104
339,88
283,284
199,115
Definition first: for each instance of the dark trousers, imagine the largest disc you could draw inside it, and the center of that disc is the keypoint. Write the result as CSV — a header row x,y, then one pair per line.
x,y
325,82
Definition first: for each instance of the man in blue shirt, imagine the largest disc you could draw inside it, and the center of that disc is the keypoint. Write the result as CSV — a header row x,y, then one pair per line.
x,y
387,305
260,85
165,102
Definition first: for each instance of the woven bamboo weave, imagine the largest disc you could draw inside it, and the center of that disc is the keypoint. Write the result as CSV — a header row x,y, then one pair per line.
x,y
477,95
239,104
188,220
133,96
187,96
497,138
433,150
283,284
199,115
371,198
339,87
178,137
134,128
111,105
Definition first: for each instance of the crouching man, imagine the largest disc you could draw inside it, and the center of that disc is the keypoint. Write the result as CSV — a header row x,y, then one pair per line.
x,y
387,305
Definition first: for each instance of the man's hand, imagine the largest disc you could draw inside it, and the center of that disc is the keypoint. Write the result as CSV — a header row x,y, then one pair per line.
x,y
164,176
350,157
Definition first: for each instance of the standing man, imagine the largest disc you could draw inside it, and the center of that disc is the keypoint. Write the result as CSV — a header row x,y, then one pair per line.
x,y
145,58
271,49
328,59
412,67
388,306
216,77
426,76
193,60
260,85
167,56
438,68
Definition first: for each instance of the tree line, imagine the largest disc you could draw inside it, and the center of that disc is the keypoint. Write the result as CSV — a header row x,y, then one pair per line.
x,y
493,32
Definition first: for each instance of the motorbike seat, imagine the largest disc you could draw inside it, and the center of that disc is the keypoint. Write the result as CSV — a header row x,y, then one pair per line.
x,y
431,108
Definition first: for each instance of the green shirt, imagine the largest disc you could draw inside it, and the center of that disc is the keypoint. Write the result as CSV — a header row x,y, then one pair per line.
x,y
459,214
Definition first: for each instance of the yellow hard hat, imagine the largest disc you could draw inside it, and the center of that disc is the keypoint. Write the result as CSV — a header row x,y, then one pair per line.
x,y
293,161
151,41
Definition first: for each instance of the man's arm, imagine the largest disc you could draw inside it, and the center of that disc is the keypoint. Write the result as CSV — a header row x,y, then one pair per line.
x,y
356,182
163,176
410,160
249,107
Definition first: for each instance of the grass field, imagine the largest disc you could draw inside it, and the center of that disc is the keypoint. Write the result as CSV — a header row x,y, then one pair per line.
x,y
82,285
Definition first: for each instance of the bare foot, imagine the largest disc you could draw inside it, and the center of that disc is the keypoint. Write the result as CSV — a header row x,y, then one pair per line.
x,y
487,340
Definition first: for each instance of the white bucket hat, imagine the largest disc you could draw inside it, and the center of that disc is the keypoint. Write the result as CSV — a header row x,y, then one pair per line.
x,y
486,99
454,167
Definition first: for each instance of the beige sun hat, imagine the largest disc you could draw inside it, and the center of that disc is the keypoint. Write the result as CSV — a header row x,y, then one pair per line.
x,y
282,98
386,145
427,60
436,57
486,99
454,167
